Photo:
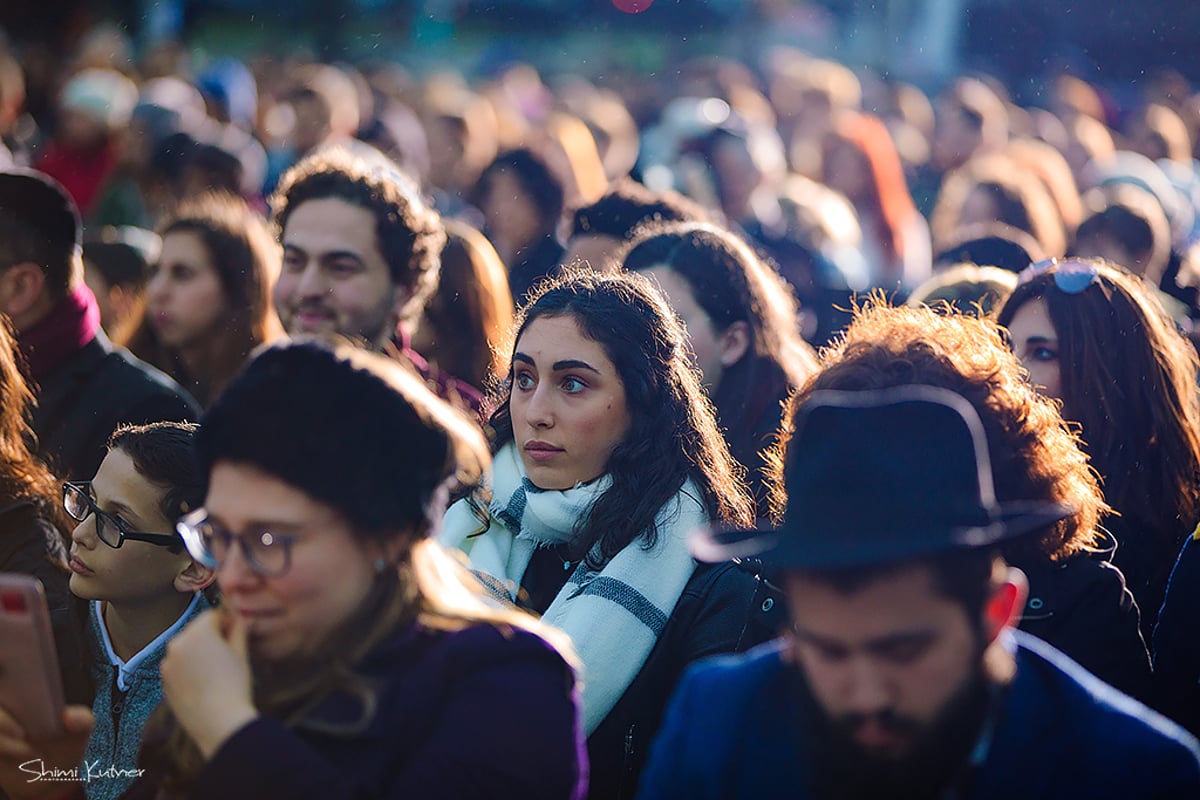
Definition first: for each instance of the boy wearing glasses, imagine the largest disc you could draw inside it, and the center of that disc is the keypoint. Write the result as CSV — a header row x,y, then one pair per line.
x,y
142,585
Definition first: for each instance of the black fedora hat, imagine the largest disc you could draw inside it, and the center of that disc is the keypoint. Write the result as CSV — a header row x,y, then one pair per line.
x,y
882,476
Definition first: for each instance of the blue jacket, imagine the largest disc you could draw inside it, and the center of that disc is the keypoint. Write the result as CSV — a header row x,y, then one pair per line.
x,y
730,732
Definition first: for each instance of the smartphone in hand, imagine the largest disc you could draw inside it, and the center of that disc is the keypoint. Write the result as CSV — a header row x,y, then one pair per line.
x,y
30,685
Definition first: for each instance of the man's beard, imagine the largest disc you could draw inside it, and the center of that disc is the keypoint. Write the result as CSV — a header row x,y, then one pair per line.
x,y
936,754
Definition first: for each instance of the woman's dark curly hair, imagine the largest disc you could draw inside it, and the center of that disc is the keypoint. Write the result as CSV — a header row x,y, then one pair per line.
x,y
1035,455
673,434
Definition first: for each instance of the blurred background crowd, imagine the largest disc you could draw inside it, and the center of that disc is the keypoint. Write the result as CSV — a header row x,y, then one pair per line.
x,y
854,144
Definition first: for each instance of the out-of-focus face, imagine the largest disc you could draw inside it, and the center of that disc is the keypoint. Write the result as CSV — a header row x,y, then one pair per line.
x,y
330,571
978,208
334,278
447,148
1035,342
596,250
138,573
311,126
78,130
884,661
100,288
184,297
513,220
954,140
847,171
568,404
1103,245
738,177
703,335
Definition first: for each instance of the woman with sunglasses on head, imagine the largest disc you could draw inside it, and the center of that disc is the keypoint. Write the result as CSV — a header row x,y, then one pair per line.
x,y
607,455
1093,336
141,586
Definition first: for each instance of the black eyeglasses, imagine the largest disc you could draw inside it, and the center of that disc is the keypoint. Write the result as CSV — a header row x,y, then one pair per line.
x,y
268,554
77,499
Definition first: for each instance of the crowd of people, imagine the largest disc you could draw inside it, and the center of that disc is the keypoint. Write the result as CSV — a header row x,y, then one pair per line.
x,y
763,430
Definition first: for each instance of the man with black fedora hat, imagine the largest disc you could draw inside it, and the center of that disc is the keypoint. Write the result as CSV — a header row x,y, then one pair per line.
x,y
85,386
903,675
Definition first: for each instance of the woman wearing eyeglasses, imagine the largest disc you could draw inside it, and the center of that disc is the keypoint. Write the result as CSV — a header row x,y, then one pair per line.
x,y
141,588
352,657
1093,336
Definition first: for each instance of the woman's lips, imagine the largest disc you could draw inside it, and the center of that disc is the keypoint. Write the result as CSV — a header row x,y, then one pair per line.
x,y
80,568
541,451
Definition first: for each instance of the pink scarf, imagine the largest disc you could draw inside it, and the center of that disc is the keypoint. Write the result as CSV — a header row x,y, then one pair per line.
x,y
70,325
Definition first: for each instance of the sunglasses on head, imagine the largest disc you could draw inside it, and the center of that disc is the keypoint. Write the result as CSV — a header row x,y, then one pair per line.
x,y
1071,276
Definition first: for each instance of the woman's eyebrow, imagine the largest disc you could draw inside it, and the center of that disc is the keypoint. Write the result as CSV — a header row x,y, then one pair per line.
x,y
559,366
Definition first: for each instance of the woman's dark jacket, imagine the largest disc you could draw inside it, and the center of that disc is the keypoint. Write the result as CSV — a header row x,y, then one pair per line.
x,y
1145,563
724,608
1177,642
1082,607
477,713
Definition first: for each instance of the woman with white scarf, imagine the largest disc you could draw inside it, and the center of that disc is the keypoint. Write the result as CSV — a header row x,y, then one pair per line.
x,y
607,455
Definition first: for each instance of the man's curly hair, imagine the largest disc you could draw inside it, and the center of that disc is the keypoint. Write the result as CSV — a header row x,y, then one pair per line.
x,y
1035,455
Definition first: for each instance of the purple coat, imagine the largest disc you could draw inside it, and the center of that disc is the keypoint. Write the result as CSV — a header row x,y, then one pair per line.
x,y
477,713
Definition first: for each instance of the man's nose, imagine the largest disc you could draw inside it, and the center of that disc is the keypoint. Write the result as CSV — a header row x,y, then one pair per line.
x,y
311,281
867,688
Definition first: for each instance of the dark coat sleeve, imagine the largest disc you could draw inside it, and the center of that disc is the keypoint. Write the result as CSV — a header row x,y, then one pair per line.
x,y
82,403
508,727
1177,642
720,611
1082,608
667,775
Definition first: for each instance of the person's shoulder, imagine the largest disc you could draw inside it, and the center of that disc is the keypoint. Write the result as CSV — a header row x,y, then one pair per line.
x,y
142,383
1097,713
482,646
738,674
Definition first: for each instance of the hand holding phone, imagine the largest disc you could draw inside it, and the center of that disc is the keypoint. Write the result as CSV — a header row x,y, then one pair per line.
x,y
30,686
23,763
36,731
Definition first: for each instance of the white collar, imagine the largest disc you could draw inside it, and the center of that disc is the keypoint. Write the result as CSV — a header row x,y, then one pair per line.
x,y
125,669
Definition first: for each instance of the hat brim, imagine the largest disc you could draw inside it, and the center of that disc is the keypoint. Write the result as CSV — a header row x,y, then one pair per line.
x,y
811,549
